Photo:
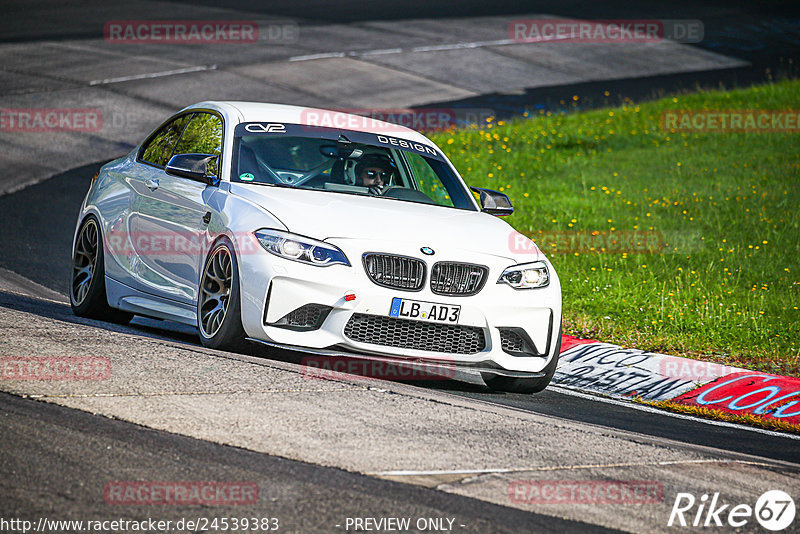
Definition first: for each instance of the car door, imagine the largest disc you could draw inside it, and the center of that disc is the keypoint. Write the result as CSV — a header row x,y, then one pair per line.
x,y
172,215
128,236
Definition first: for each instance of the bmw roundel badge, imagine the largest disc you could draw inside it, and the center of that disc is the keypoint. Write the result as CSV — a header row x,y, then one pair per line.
x,y
427,250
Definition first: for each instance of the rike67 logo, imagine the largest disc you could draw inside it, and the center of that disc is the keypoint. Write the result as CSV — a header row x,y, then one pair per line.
x,y
774,510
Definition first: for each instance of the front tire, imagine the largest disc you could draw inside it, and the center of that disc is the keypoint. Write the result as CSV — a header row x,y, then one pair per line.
x,y
526,385
87,290
219,312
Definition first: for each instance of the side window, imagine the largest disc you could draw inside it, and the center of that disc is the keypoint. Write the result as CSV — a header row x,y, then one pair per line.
x,y
427,180
203,135
159,149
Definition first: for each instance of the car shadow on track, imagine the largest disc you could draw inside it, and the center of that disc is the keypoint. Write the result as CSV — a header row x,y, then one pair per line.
x,y
350,367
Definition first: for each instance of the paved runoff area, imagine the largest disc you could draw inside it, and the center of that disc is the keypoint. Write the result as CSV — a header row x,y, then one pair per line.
x,y
119,92
386,430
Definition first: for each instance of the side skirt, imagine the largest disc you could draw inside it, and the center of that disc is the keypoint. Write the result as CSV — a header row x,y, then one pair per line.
x,y
132,300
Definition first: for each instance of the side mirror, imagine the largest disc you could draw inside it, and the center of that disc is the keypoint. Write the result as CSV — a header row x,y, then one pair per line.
x,y
193,166
494,203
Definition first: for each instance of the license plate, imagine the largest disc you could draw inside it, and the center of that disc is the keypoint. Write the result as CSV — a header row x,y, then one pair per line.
x,y
424,311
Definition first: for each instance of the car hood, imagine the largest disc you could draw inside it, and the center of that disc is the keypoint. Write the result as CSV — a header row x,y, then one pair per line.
x,y
327,215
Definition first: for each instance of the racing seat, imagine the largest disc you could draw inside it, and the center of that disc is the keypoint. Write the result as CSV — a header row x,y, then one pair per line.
x,y
335,177
249,164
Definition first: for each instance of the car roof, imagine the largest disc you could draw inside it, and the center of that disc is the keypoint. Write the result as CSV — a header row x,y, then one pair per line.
x,y
309,116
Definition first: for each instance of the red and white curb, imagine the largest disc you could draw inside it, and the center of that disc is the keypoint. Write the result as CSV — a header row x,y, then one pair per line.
x,y
611,370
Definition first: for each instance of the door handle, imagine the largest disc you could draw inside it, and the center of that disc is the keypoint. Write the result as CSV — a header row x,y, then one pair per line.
x,y
152,184
207,217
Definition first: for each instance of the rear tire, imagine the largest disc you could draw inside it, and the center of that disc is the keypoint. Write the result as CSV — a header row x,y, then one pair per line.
x,y
219,311
525,385
87,289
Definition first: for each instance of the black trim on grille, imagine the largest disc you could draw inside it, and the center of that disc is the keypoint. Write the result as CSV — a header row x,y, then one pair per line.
x,y
456,279
417,335
395,271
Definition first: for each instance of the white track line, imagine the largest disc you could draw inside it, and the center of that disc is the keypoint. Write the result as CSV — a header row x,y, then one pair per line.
x,y
560,467
153,75
427,48
650,409
324,55
475,44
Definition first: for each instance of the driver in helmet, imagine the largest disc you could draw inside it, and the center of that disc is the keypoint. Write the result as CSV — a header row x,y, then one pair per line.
x,y
374,171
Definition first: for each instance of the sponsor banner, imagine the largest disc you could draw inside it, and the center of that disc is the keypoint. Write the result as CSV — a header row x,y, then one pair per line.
x,y
612,370
731,121
749,392
207,493
638,31
323,132
585,491
50,368
608,369
567,342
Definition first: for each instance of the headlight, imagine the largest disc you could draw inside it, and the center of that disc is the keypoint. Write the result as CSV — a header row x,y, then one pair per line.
x,y
526,276
299,248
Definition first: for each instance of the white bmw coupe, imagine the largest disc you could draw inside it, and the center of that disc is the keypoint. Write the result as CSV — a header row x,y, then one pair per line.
x,y
335,236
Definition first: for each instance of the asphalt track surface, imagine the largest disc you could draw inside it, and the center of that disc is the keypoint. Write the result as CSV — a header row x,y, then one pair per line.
x,y
305,497
765,34
46,262
50,450
56,460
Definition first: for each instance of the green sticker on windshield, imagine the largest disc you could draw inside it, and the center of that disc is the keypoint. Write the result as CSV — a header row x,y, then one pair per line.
x,y
246,176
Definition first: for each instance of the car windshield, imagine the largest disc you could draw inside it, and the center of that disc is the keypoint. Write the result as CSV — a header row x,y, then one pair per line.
x,y
345,161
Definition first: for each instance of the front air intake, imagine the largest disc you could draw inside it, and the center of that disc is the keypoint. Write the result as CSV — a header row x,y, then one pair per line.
x,y
307,317
417,335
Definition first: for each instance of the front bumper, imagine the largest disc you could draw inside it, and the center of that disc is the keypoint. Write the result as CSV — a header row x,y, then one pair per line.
x,y
272,287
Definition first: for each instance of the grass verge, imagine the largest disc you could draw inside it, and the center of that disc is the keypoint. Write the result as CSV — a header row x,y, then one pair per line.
x,y
747,419
682,243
